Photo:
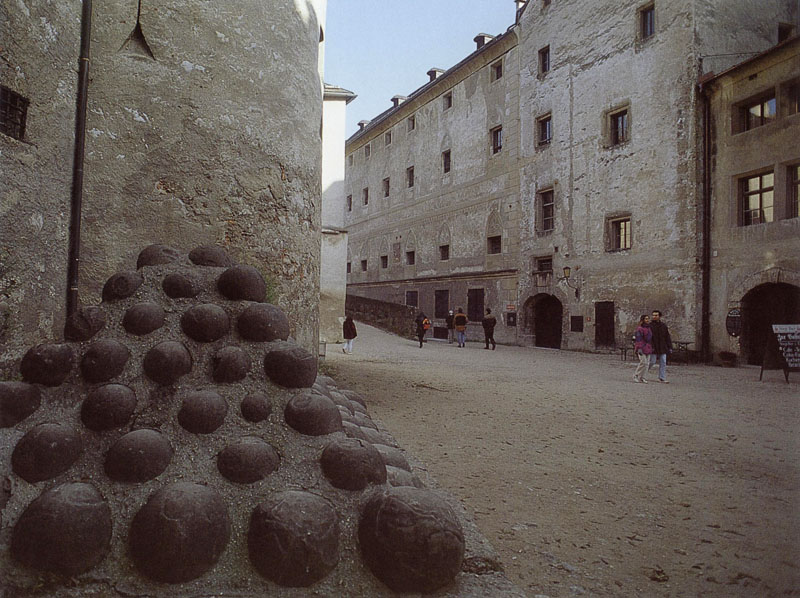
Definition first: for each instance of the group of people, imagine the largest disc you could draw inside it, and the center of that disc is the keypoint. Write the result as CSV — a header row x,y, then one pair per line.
x,y
652,344
457,327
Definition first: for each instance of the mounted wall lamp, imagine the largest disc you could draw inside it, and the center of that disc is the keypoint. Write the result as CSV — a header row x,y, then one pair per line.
x,y
571,282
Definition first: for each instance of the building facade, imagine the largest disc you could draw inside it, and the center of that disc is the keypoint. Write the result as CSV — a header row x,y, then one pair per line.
x,y
754,176
603,222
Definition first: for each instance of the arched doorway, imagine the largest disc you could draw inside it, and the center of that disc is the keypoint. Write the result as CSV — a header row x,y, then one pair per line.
x,y
763,306
543,314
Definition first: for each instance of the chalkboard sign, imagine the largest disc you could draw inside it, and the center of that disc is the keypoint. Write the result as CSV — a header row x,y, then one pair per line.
x,y
733,322
788,336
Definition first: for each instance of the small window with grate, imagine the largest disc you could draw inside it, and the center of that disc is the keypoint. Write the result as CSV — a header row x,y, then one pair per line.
x,y
13,113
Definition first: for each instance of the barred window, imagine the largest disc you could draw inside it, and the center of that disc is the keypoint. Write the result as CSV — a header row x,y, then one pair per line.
x,y
13,113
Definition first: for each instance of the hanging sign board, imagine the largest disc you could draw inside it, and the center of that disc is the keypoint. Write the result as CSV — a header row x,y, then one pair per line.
x,y
733,322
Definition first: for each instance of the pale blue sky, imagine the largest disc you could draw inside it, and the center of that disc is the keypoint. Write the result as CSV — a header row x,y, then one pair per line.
x,y
381,48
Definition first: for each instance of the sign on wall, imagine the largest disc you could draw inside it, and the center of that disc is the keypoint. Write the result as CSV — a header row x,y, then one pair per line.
x,y
733,322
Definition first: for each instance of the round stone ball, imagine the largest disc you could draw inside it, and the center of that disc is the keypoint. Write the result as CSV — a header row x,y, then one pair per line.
x,y
312,414
411,539
47,364
230,364
354,396
107,407
242,283
156,254
256,407
122,285
179,286
180,533
167,362
45,451
400,477
66,530
84,323
210,255
263,322
393,456
247,460
205,323
354,431
293,539
104,360
202,412
143,318
18,400
138,456
352,464
289,365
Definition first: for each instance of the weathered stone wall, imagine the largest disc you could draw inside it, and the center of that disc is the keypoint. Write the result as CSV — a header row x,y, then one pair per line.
x,y
203,126
744,257
386,315
478,198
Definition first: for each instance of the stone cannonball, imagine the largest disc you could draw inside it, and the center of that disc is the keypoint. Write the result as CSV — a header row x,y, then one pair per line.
x,y
122,285
312,414
138,456
179,286
242,283
247,460
205,323
104,360
107,407
289,365
352,464
18,400
180,533
45,451
293,538
84,323
230,364
47,364
66,530
202,411
256,407
166,362
143,318
210,255
154,255
263,322
410,539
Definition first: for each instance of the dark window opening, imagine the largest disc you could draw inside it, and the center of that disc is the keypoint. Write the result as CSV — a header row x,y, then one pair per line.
x,y
619,127
363,265
411,258
447,101
13,113
444,252
545,129
785,31
349,267
544,60
647,21
543,276
384,261
386,187
793,207
349,203
576,323
497,139
791,96
387,138
475,309
446,161
410,176
497,70
494,244
441,303
365,196
756,196
412,298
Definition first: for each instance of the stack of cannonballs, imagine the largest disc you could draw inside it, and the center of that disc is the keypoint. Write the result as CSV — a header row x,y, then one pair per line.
x,y
180,443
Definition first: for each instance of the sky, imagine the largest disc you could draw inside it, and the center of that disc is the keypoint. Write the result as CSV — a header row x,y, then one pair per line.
x,y
381,48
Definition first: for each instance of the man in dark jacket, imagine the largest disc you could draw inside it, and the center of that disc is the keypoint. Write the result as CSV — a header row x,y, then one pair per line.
x,y
422,321
489,322
662,345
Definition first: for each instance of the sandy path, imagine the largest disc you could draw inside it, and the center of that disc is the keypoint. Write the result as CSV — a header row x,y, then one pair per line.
x,y
589,484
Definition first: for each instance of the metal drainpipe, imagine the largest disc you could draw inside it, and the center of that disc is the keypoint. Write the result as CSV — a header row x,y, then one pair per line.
x,y
705,264
77,161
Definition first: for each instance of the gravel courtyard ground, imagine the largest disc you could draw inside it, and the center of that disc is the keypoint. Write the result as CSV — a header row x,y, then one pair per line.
x,y
589,484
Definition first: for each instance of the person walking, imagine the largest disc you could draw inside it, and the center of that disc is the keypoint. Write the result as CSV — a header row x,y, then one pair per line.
x,y
423,323
450,330
643,345
460,322
662,345
349,333
489,322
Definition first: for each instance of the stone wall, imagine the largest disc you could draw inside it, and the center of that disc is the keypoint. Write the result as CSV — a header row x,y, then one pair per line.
x,y
393,317
203,126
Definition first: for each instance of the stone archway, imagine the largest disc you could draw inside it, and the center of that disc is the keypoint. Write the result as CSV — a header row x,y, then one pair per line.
x,y
762,306
542,318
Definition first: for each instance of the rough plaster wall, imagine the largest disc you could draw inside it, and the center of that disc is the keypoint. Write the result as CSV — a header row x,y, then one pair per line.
x,y
203,129
597,66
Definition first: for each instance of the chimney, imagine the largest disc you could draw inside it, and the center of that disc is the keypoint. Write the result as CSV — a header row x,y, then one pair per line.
x,y
482,39
434,73
397,100
520,4
362,124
